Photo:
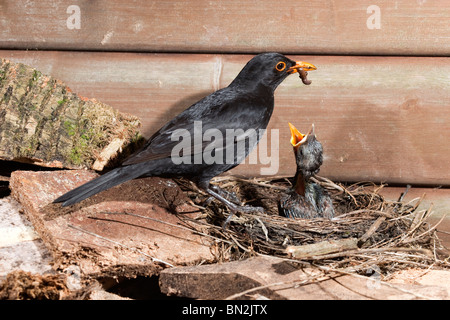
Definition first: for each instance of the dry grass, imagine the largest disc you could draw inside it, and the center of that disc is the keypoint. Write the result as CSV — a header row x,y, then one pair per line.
x,y
391,235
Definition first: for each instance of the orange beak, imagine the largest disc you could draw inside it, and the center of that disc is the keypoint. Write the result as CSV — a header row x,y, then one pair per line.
x,y
298,138
301,65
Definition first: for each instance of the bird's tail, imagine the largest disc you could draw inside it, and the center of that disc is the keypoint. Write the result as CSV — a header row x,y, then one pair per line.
x,y
104,182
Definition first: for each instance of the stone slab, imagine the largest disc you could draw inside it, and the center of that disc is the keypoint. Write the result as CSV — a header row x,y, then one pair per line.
x,y
95,234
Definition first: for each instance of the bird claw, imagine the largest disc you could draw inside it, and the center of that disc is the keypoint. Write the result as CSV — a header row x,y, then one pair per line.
x,y
249,209
229,195
208,201
241,209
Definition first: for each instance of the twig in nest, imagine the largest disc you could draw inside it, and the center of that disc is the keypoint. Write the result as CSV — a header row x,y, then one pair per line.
x,y
266,233
327,183
365,211
321,248
374,227
238,244
431,229
251,181
402,196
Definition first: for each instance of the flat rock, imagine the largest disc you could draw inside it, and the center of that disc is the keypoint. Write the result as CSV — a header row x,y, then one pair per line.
x,y
97,236
279,279
20,246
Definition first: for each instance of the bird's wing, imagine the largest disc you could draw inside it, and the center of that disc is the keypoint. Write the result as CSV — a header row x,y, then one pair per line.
x,y
219,111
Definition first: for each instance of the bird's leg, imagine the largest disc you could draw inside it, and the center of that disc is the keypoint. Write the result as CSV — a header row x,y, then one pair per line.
x,y
213,191
231,196
232,206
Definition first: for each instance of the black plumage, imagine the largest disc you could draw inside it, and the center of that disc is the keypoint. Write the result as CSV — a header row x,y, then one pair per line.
x,y
246,104
306,199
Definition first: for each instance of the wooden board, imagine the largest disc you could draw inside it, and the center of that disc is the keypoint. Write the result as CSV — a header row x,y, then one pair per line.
x,y
400,27
379,118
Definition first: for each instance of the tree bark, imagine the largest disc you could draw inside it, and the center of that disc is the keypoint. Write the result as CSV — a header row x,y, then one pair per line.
x,y
43,122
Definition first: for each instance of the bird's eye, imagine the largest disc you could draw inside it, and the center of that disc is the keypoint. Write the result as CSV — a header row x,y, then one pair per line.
x,y
280,66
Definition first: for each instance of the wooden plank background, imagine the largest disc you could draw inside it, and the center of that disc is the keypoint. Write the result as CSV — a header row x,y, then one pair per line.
x,y
379,99
406,27
379,118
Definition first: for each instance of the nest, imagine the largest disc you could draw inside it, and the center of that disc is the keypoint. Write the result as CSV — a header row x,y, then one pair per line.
x,y
368,230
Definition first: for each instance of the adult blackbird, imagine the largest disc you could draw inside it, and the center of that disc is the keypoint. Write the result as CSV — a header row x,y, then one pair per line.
x,y
306,199
246,104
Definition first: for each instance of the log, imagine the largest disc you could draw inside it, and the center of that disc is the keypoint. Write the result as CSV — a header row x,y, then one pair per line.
x,y
43,122
373,228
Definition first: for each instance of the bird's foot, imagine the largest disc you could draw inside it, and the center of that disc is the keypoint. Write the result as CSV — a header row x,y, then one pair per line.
x,y
249,209
223,195
241,209
229,195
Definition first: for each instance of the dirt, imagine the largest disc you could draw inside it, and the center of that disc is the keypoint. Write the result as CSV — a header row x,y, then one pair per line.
x,y
21,285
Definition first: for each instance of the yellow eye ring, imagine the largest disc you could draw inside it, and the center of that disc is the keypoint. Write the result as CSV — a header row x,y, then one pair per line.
x,y
280,66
